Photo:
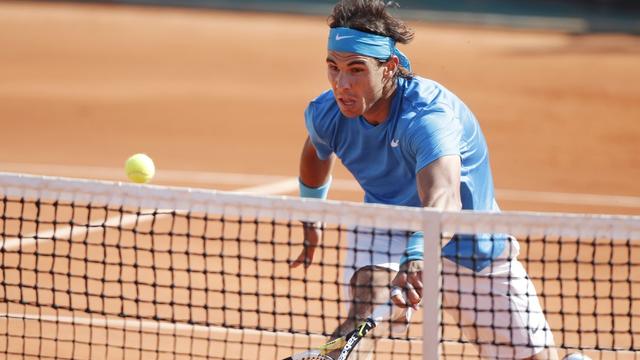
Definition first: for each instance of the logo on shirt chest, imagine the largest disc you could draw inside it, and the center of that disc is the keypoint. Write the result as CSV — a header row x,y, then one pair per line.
x,y
395,142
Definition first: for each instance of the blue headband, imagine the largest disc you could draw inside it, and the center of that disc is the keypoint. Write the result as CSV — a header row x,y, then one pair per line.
x,y
358,42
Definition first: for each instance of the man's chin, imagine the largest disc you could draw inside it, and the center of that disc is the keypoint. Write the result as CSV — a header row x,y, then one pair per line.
x,y
350,113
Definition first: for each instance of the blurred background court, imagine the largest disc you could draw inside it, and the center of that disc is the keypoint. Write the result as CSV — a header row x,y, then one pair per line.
x,y
86,85
216,96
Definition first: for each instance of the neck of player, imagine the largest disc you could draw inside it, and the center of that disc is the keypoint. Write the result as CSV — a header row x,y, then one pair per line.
x,y
379,112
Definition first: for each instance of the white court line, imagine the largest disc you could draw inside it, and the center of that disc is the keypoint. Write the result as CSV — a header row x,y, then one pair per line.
x,y
162,175
68,232
216,178
545,197
212,333
278,187
160,327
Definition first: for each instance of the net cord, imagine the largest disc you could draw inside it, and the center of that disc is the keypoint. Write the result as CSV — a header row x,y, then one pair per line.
x,y
116,194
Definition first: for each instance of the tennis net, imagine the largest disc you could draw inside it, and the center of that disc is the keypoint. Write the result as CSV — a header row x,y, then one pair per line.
x,y
102,270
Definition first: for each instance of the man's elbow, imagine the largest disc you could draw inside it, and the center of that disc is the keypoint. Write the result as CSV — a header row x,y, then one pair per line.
x,y
445,199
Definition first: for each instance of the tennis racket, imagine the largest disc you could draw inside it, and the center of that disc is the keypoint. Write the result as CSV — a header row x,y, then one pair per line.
x,y
347,342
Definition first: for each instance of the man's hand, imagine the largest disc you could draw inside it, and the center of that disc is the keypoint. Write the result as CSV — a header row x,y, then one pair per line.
x,y
406,287
312,234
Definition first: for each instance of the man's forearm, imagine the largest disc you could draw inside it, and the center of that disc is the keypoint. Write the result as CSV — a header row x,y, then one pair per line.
x,y
314,172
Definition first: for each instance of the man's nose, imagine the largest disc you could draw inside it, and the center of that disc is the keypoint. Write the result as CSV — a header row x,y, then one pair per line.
x,y
342,81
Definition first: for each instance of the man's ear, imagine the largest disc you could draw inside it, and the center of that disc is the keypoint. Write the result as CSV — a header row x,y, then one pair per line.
x,y
391,67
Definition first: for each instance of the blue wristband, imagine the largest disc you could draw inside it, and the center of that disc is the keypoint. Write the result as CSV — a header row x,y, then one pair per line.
x,y
316,193
415,248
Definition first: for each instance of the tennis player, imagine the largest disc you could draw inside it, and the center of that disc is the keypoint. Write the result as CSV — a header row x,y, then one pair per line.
x,y
409,141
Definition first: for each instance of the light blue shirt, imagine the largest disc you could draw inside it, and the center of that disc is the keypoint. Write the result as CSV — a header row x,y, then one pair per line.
x,y
426,122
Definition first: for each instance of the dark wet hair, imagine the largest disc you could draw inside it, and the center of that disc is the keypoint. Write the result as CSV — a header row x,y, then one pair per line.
x,y
372,16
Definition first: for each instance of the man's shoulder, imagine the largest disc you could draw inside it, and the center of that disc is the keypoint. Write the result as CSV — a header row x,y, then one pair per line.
x,y
324,100
323,113
428,109
323,107
424,96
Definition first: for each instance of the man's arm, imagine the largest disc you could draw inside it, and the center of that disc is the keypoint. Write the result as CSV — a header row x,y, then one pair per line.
x,y
314,173
439,187
439,184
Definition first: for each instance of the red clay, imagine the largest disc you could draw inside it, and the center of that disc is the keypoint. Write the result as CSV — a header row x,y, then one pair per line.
x,y
224,91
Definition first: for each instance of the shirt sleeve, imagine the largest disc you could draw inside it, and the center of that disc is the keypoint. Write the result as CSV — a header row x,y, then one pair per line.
x,y
320,143
436,133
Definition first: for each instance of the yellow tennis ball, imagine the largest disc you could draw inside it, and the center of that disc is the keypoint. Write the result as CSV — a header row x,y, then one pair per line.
x,y
140,168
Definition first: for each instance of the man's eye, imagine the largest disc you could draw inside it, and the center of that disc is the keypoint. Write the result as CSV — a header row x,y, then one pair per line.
x,y
356,70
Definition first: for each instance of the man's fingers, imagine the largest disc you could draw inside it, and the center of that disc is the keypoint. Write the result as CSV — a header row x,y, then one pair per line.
x,y
415,279
397,297
397,290
407,289
309,255
412,296
311,238
301,258
305,257
414,288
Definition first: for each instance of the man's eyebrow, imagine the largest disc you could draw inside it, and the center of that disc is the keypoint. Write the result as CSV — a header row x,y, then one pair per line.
x,y
352,62
357,62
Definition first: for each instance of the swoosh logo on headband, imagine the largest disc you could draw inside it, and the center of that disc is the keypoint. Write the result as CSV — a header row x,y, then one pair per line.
x,y
338,37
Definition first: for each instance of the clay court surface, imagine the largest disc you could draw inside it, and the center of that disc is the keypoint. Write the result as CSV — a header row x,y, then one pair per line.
x,y
82,87
225,92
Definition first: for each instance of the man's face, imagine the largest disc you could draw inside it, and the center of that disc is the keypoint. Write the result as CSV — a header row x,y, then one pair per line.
x,y
357,81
